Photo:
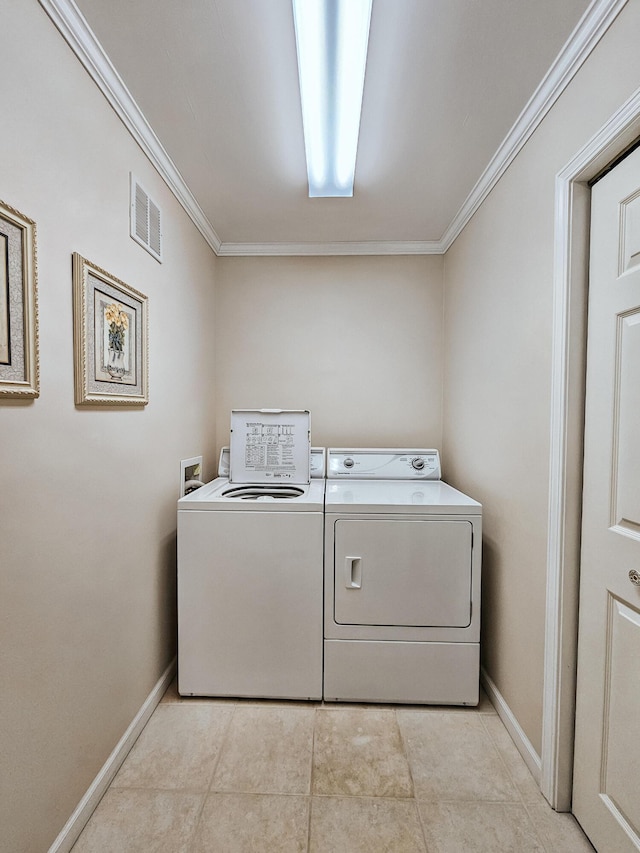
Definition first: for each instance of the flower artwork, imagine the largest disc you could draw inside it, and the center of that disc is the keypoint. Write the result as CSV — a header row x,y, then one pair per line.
x,y
116,328
118,323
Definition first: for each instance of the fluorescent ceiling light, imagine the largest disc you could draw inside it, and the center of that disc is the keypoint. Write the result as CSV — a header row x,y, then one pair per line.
x,y
332,38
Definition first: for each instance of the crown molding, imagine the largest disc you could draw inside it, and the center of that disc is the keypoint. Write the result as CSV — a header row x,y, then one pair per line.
x,y
383,247
74,29
80,38
588,32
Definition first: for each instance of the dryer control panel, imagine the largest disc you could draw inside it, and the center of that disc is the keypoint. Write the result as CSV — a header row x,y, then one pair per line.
x,y
383,464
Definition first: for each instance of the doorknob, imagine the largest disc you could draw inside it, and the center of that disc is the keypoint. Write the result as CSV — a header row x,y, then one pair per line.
x,y
634,577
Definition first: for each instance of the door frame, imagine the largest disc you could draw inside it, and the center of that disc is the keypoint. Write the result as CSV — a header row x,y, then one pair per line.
x,y
570,290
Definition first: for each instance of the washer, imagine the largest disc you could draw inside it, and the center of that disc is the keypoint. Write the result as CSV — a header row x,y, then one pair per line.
x,y
250,566
402,580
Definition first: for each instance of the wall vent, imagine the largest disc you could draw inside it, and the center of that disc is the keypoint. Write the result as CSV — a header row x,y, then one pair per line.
x,y
146,220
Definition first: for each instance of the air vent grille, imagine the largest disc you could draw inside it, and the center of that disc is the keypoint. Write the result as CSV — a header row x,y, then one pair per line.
x,y
146,228
155,242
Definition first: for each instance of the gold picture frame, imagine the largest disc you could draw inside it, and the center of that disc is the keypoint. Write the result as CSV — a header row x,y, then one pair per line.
x,y
110,338
19,365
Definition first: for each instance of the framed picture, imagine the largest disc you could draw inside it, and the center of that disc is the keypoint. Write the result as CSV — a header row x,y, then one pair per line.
x,y
19,368
109,339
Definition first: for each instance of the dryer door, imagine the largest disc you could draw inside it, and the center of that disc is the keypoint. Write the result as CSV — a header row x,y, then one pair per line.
x,y
402,572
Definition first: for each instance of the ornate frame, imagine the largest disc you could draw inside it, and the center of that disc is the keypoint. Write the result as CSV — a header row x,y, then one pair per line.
x,y
110,339
19,362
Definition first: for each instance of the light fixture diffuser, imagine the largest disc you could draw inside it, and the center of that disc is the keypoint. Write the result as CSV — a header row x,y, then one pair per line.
x,y
332,38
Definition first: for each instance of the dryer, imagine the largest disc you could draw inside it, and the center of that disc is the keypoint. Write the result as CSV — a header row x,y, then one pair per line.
x,y
402,580
250,564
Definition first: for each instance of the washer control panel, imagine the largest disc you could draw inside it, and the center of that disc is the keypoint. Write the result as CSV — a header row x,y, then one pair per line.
x,y
383,464
318,463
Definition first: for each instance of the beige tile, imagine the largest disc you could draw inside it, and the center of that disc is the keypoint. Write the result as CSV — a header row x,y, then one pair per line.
x,y
280,703
141,822
178,748
478,828
558,832
453,758
518,770
260,823
359,752
364,825
267,750
171,695
362,706
484,706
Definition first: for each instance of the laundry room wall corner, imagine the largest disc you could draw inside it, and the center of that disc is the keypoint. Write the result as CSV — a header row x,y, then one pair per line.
x,y
356,340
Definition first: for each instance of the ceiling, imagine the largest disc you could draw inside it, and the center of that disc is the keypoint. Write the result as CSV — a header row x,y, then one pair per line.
x,y
217,82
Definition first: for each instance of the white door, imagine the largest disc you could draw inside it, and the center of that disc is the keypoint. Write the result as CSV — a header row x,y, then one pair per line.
x,y
606,793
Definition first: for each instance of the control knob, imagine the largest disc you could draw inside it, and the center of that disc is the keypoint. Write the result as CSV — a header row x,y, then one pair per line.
x,y
348,462
417,463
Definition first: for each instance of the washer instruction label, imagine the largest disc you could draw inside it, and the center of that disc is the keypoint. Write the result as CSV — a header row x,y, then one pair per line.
x,y
268,446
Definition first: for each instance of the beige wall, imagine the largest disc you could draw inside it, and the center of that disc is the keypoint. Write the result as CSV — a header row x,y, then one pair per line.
x,y
498,314
87,497
355,340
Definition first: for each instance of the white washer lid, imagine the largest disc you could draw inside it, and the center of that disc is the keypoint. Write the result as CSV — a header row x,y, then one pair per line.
x,y
215,496
270,446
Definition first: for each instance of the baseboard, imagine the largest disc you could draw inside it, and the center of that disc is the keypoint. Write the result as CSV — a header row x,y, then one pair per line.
x,y
522,742
85,808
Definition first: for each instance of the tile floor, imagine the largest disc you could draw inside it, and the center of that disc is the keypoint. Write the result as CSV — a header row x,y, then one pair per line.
x,y
220,776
